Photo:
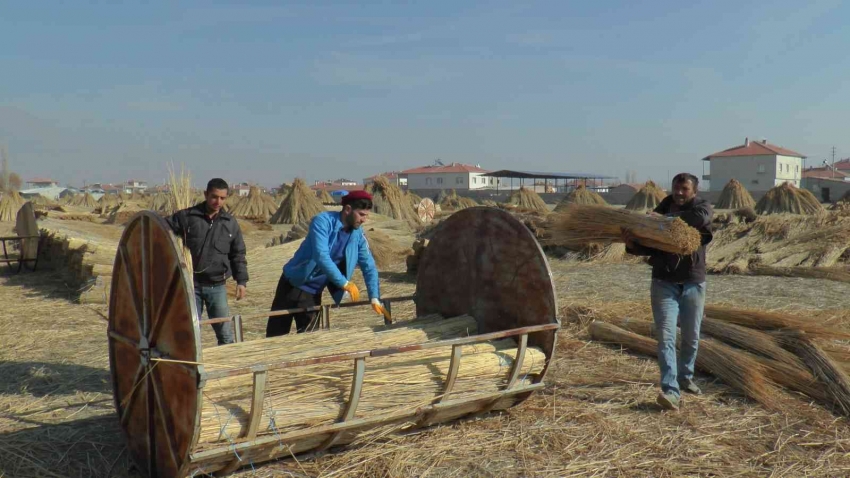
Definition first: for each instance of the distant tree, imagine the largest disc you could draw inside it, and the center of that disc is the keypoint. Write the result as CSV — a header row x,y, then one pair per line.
x,y
12,184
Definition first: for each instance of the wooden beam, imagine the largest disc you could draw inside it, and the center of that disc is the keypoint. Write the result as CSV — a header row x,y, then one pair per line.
x,y
351,405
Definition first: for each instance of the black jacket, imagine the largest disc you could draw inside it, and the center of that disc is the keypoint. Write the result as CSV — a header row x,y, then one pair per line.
x,y
217,247
673,267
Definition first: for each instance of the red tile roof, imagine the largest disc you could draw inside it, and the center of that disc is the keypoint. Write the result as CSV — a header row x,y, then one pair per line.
x,y
825,173
754,148
843,164
451,168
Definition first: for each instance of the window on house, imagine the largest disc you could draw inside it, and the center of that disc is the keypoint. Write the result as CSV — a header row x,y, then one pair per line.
x,y
755,181
761,168
491,180
474,180
439,180
459,180
797,168
427,180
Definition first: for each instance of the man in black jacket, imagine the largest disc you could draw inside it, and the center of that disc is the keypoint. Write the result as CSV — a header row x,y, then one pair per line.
x,y
678,290
218,252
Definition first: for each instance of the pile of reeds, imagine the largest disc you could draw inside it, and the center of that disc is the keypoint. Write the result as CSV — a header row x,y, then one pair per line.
x,y
578,224
788,199
413,198
581,195
648,198
453,202
755,352
86,201
257,206
161,203
388,200
301,204
735,196
527,200
122,213
309,396
84,262
9,206
106,203
326,198
385,250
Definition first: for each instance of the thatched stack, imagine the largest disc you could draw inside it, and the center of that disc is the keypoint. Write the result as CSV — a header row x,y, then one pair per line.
x,y
301,204
388,200
122,213
41,202
455,203
735,196
788,199
527,200
325,197
385,250
257,206
414,199
84,201
85,263
106,203
648,198
581,195
9,206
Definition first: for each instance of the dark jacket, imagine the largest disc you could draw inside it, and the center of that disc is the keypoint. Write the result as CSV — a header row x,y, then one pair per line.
x,y
673,267
217,247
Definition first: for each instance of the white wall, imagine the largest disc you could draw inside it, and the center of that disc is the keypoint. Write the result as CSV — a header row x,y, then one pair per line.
x,y
449,181
756,173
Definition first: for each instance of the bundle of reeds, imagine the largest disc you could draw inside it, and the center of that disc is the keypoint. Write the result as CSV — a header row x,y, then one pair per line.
x,y
453,202
388,200
257,206
326,198
756,319
735,196
788,199
161,203
578,224
648,198
581,195
824,368
9,206
755,341
107,202
414,199
301,204
316,395
181,196
122,213
84,201
385,250
838,274
527,199
298,231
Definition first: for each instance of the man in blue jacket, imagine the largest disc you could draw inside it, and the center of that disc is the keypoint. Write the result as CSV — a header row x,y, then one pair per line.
x,y
678,290
327,258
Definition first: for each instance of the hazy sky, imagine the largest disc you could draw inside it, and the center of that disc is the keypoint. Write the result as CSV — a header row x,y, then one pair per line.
x,y
268,91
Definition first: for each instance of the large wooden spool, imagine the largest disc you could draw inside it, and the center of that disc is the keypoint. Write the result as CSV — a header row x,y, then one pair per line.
x,y
481,262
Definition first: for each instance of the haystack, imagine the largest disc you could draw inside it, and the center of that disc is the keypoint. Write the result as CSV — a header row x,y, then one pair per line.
x,y
786,198
735,196
388,200
122,213
107,202
256,206
581,195
414,199
455,203
9,206
41,202
648,198
385,250
301,204
84,201
325,197
526,199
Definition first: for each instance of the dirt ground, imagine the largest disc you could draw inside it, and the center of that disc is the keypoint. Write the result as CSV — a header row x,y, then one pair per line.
x,y
596,417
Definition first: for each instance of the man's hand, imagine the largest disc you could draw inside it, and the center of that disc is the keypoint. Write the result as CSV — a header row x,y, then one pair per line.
x,y
240,292
352,290
380,310
628,237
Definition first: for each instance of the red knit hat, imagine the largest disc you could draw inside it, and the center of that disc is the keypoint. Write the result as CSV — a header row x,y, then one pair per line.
x,y
354,196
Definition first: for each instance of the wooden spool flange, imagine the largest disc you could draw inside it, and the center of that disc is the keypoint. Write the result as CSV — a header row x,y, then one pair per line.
x,y
152,316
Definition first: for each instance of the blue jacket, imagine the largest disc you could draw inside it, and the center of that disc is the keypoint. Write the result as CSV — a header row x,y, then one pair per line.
x,y
313,257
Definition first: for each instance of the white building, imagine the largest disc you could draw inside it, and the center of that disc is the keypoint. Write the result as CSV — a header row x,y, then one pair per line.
x,y
394,177
758,165
134,185
36,183
453,176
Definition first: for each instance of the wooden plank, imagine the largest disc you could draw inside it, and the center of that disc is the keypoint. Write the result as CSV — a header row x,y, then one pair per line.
x,y
351,405
451,377
515,370
260,379
276,313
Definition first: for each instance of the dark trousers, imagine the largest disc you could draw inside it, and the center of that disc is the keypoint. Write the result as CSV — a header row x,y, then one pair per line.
x,y
289,297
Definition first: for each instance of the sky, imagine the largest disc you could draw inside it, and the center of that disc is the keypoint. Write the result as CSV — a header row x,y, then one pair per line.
x,y
268,91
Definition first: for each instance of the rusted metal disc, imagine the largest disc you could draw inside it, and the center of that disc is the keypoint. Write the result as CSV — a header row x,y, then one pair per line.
x,y
152,316
484,262
426,210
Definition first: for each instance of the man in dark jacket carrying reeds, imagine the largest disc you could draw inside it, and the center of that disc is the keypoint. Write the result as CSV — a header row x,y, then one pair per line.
x,y
678,290
218,251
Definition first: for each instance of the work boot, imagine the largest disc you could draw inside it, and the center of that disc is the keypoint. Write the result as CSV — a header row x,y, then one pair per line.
x,y
668,401
689,386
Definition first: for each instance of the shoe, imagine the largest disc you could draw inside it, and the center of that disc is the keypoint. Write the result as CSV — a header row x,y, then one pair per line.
x,y
690,387
668,401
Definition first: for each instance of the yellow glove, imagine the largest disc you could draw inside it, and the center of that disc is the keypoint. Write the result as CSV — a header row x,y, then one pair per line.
x,y
352,290
380,310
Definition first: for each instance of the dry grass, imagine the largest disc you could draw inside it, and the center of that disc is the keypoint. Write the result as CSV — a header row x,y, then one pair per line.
x,y
300,204
9,206
325,197
85,201
385,250
257,206
647,199
735,196
388,200
527,200
788,199
581,195
453,202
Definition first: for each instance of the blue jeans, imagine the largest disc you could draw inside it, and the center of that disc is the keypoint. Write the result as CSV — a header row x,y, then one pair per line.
x,y
215,298
685,303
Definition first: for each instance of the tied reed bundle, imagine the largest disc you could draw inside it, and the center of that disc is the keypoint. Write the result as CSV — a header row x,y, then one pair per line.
x,y
824,369
9,206
325,197
755,319
735,196
385,250
455,203
579,224
388,200
745,338
649,196
83,201
786,198
581,195
526,199
181,197
257,206
301,204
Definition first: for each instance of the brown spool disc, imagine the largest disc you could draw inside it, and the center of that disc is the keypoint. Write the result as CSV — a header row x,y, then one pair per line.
x,y
152,315
486,263
426,209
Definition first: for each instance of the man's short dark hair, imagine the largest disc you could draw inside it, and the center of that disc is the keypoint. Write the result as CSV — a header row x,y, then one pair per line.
x,y
682,177
360,204
217,183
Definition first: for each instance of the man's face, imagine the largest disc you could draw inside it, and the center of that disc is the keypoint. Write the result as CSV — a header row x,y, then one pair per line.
x,y
683,191
354,218
215,199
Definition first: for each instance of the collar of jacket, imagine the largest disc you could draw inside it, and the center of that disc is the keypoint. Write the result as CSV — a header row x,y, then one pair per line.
x,y
201,210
